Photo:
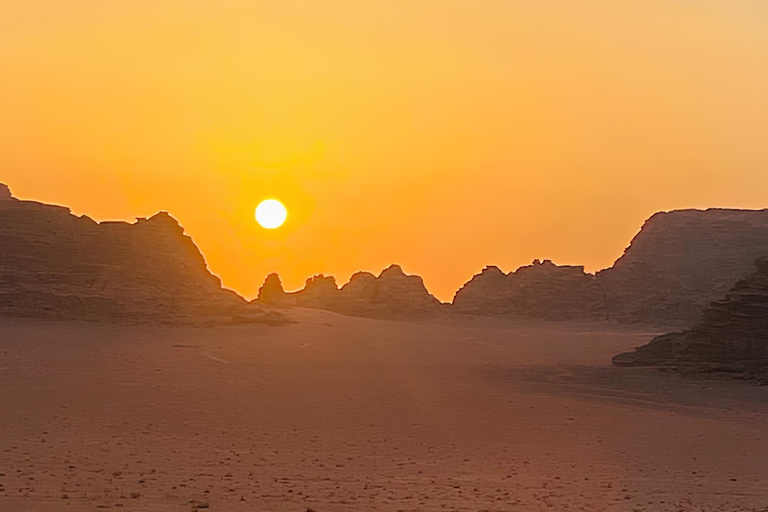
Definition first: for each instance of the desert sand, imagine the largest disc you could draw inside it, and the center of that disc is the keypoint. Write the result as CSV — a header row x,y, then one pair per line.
x,y
337,413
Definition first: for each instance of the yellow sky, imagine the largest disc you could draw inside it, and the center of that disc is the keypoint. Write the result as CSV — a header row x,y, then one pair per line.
x,y
443,135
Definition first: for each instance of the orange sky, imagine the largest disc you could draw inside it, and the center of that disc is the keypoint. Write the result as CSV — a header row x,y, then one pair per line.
x,y
443,135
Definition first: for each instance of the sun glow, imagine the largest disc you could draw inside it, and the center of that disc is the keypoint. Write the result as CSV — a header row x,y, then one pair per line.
x,y
271,214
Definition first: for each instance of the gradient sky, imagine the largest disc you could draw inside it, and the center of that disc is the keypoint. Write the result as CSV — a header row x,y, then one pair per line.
x,y
443,135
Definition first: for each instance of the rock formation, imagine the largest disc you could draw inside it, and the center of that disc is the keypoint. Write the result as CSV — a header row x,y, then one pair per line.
x,y
319,292
272,292
56,265
540,290
732,336
678,263
5,193
391,294
682,260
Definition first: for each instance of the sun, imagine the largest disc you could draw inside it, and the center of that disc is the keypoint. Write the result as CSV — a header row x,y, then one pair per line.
x,y
271,214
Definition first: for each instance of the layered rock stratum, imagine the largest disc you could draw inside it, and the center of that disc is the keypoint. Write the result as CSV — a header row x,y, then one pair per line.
x,y
392,294
682,260
56,265
731,338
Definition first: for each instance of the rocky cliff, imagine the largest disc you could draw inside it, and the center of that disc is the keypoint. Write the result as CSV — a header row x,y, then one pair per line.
x,y
392,294
731,338
540,290
56,265
678,263
682,260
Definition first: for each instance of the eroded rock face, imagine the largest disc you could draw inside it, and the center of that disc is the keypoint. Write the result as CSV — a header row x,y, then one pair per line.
x,y
540,290
731,338
682,260
272,292
677,264
5,193
56,265
319,292
391,294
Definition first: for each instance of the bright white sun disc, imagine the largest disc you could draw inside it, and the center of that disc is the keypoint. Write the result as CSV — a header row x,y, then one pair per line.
x,y
271,214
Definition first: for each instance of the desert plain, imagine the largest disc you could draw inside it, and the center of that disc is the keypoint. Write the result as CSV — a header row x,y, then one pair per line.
x,y
334,414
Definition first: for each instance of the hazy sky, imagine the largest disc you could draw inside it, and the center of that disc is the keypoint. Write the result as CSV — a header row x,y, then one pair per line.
x,y
443,135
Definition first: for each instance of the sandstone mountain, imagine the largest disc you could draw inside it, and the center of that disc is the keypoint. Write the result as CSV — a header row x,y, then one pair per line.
x,y
391,294
678,263
731,338
56,265
540,290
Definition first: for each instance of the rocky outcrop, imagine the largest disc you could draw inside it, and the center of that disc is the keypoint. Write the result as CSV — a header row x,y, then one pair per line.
x,y
677,264
5,193
540,290
56,265
487,293
392,294
272,292
731,338
319,292
682,260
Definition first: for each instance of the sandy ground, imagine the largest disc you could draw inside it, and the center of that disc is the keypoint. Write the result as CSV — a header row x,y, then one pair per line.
x,y
343,414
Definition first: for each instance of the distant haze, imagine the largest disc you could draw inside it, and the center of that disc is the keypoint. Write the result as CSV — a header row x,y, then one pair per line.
x,y
442,135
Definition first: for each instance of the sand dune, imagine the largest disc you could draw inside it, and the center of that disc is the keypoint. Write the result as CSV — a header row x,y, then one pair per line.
x,y
348,414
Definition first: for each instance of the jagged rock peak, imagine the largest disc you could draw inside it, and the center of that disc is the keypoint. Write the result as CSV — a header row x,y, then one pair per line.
x,y
320,280
492,270
272,289
163,219
392,270
5,193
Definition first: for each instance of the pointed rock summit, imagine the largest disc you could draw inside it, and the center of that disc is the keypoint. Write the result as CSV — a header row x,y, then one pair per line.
x,y
272,292
5,193
391,294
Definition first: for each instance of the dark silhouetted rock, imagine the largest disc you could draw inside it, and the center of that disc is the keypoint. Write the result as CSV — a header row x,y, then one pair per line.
x,y
731,338
678,263
5,193
540,290
56,265
272,292
682,260
319,292
487,293
391,294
